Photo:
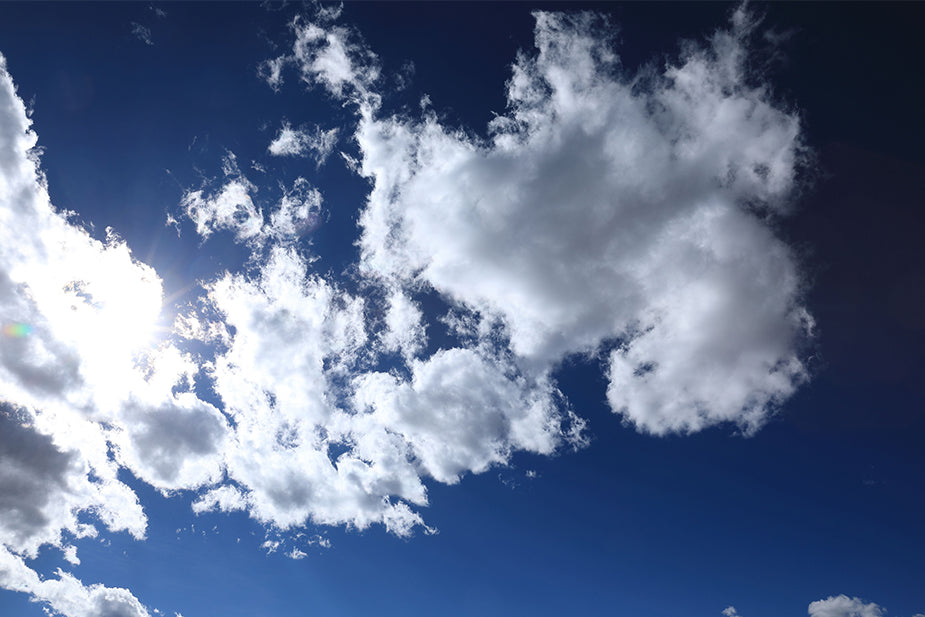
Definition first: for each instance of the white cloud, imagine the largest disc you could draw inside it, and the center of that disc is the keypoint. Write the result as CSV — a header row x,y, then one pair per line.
x,y
843,606
232,208
315,142
176,445
327,55
602,208
318,438
295,336
65,594
657,250
298,212
223,499
730,611
609,207
460,412
142,33
86,309
78,376
44,486
405,330
271,71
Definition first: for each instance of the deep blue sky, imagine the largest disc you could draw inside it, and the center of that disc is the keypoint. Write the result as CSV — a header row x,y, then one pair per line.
x,y
826,499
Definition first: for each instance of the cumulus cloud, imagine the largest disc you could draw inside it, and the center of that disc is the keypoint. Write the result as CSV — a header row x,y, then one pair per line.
x,y
295,338
460,412
834,606
605,214
174,445
623,216
67,595
843,606
313,142
77,368
609,209
319,438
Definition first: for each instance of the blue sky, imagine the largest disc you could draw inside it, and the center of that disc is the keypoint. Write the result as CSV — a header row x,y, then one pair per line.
x,y
460,309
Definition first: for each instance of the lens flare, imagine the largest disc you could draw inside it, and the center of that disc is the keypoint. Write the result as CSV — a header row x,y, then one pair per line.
x,y
17,330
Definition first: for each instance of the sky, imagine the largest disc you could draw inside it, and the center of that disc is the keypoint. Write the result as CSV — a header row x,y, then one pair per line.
x,y
461,309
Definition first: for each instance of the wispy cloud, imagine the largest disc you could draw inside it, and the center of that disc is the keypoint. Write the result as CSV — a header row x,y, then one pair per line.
x,y
313,142
142,33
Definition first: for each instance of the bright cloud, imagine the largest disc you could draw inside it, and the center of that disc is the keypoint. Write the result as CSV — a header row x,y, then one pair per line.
x,y
608,207
834,606
303,142
328,55
843,606
66,595
232,207
79,376
623,216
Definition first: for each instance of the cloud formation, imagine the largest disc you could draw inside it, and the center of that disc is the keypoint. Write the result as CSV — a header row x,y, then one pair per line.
x,y
843,606
142,33
67,595
621,216
607,210
233,207
315,142
834,606
77,371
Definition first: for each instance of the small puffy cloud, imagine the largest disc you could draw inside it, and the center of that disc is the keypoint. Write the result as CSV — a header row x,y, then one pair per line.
x,y
843,606
176,445
298,212
222,499
405,330
327,55
232,208
730,611
313,142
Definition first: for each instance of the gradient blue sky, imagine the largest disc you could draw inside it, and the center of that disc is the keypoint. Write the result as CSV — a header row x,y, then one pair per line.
x,y
651,512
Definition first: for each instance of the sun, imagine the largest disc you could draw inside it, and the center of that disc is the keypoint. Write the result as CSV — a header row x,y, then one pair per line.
x,y
108,310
